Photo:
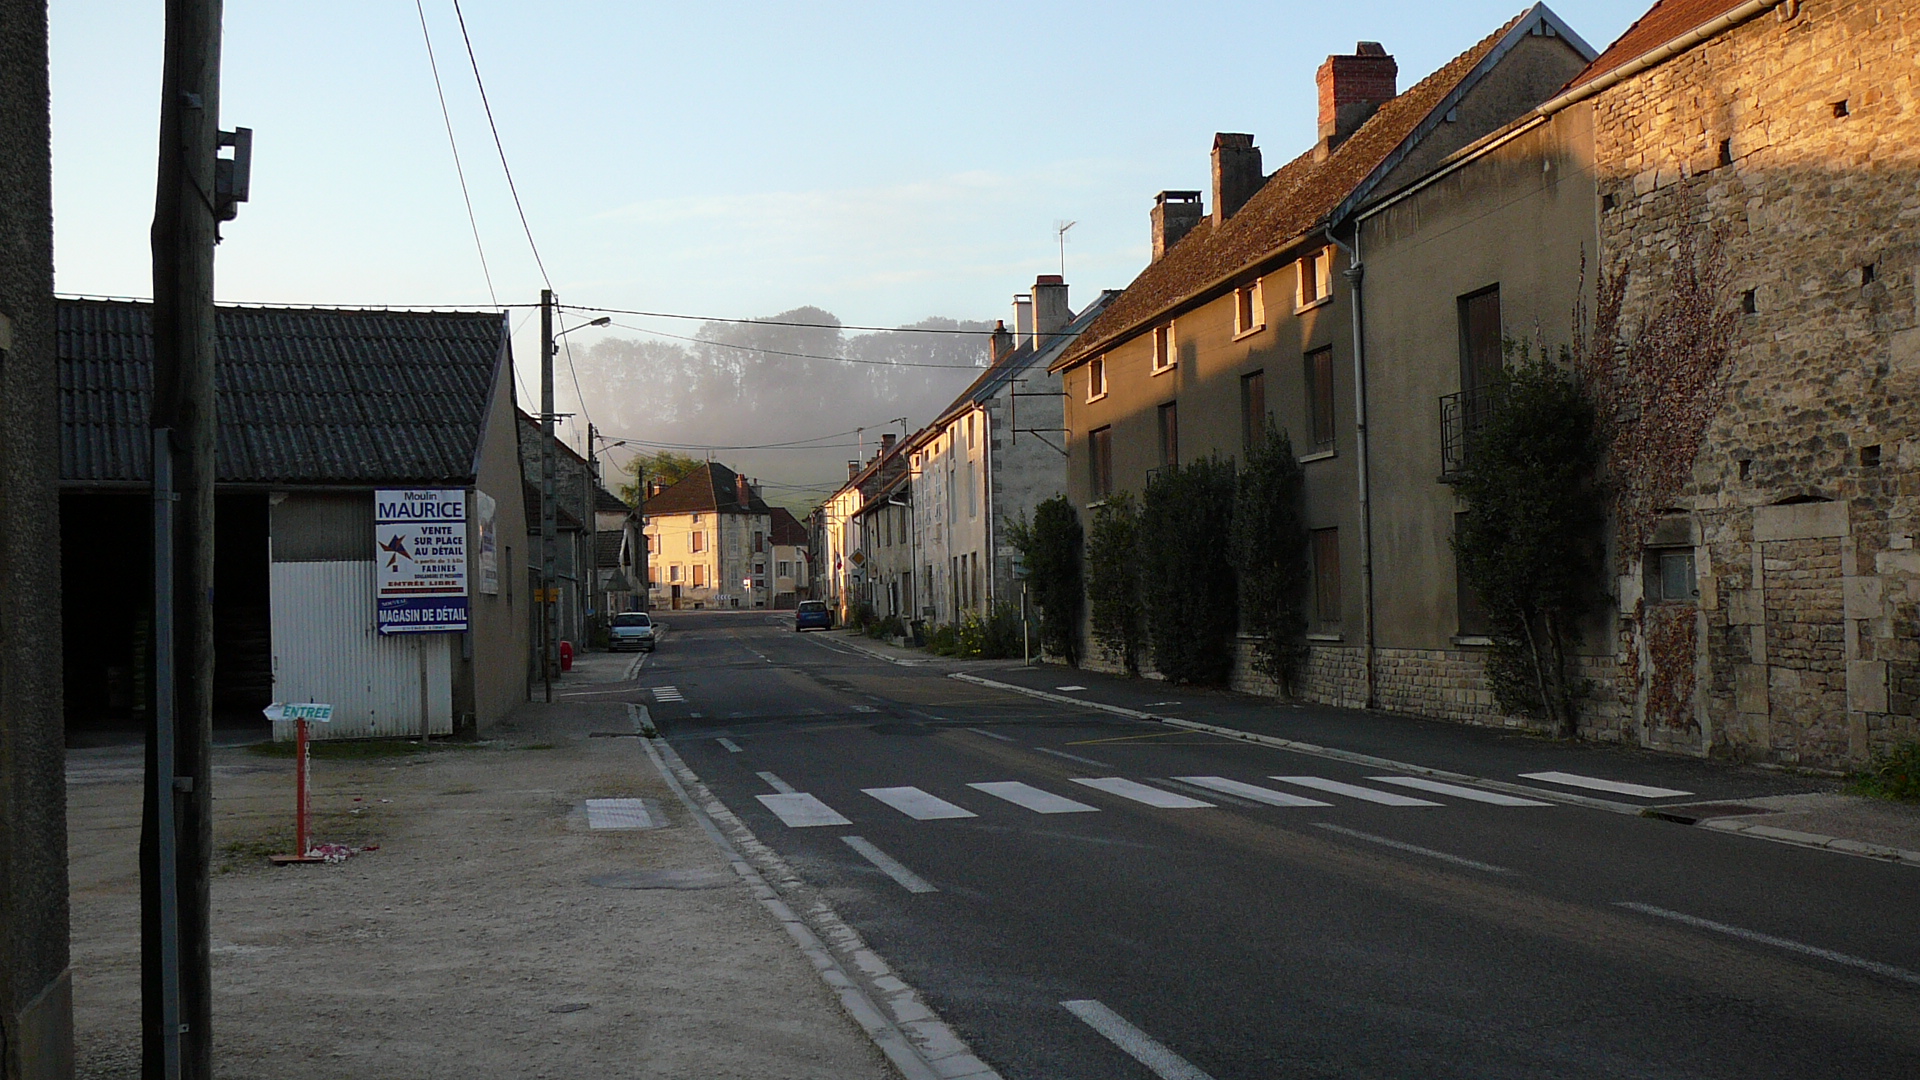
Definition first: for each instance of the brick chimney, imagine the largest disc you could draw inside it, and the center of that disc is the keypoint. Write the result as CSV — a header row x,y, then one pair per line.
x,y
1175,213
1000,344
1236,174
1050,313
1022,319
853,469
742,494
886,443
1351,88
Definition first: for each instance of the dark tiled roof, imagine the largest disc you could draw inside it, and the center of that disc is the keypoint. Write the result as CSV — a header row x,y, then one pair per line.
x,y
562,517
712,488
787,530
305,396
1665,21
1011,365
606,549
607,502
1294,201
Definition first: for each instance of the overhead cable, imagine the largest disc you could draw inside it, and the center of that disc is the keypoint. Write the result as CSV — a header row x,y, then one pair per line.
x,y
457,169
497,145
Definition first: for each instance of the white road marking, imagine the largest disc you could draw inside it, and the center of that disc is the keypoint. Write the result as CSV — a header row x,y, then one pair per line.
x,y
1157,704
667,693
1140,793
1032,798
1757,937
865,708
1251,791
776,783
1139,1045
1616,786
1073,757
801,811
1355,791
1476,794
732,747
1471,864
1069,688
696,715
991,734
917,804
618,814
890,866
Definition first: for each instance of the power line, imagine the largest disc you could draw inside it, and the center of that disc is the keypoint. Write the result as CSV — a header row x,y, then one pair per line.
x,y
800,355
446,116
776,322
580,396
497,145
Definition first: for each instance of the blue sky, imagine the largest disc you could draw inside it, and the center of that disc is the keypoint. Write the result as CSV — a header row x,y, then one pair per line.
x,y
885,162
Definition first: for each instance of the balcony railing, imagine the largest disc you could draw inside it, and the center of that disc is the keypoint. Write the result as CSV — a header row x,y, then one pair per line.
x,y
1461,415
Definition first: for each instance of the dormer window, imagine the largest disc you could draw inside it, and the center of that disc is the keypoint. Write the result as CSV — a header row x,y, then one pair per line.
x,y
1315,280
1097,379
1164,355
1249,310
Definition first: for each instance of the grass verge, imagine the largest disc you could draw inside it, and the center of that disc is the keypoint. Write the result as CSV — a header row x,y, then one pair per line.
x,y
1893,775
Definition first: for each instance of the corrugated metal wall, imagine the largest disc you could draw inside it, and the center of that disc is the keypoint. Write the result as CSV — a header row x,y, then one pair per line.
x,y
325,649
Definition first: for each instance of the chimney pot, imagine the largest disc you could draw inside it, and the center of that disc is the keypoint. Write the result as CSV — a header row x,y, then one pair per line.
x,y
1050,313
1351,89
1174,215
1236,174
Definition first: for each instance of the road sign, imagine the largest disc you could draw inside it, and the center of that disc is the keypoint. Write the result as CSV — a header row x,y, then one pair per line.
x,y
308,710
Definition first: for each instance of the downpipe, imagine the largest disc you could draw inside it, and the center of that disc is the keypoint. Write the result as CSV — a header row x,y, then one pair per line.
x,y
1355,273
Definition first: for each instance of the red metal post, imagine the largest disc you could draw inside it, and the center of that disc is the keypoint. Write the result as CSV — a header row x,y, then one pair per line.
x,y
301,845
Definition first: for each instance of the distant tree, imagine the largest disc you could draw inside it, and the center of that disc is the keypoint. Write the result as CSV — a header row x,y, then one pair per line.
x,y
1270,553
1115,610
1050,546
665,466
1186,568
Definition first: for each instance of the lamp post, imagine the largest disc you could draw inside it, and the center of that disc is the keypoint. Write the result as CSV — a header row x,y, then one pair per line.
x,y
548,553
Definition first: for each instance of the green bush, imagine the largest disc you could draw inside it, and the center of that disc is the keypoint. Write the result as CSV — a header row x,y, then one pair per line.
x,y
886,629
1186,568
860,615
1115,610
1270,553
1050,547
1894,774
944,640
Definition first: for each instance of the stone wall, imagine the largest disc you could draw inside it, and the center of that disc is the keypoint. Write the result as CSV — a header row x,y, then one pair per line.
x,y
1797,140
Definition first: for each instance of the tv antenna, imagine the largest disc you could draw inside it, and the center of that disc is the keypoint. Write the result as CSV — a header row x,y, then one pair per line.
x,y
1060,231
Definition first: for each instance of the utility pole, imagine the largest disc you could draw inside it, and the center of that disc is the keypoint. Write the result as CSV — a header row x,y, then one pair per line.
x,y
176,838
548,548
590,501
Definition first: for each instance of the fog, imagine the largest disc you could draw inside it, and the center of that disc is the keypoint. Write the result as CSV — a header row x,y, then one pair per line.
x,y
738,385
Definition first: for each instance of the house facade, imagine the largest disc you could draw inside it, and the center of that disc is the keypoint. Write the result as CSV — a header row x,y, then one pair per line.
x,y
708,541
791,563
888,553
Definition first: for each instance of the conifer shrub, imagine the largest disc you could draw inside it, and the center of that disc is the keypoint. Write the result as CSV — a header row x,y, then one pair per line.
x,y
1186,570
1050,547
1270,552
1116,613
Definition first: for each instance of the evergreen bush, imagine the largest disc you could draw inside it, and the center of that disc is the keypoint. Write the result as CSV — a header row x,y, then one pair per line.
x,y
1186,567
1050,547
1270,553
1116,612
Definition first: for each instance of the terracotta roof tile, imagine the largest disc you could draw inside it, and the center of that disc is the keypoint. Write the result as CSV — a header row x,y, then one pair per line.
x,y
712,488
787,530
1663,22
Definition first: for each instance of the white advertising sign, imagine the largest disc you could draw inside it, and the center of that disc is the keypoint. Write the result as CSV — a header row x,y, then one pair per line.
x,y
420,576
488,542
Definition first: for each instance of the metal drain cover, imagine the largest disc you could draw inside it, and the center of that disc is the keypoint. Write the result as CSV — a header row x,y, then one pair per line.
x,y
665,879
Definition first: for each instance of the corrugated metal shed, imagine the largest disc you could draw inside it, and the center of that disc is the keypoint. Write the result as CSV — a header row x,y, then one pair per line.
x,y
306,396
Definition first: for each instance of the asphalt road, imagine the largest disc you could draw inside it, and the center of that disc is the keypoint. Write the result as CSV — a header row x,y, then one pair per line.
x,y
1070,929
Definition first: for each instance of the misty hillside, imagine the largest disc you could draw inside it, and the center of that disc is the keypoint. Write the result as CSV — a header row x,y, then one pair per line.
x,y
737,386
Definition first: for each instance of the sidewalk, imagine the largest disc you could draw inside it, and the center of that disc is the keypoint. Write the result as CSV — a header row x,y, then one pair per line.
x,y
493,933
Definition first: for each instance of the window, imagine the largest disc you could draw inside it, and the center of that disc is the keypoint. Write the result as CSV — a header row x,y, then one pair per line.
x,y
1253,411
673,572
699,574
653,575
1249,310
785,569
1326,577
1314,281
1482,360
1469,609
1097,379
1164,356
1100,462
1670,577
1320,397
759,541
653,543
1170,433
696,519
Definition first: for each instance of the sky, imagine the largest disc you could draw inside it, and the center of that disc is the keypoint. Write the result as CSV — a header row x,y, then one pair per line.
x,y
884,162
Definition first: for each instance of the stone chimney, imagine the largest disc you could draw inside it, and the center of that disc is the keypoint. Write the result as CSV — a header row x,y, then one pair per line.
x,y
1000,344
886,443
1351,88
1236,174
1022,319
853,469
1050,314
1175,213
742,493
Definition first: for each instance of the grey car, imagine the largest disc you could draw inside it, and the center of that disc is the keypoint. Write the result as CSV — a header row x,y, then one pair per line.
x,y
631,630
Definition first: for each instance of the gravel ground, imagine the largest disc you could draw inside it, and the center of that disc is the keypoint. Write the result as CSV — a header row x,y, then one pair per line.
x,y
472,942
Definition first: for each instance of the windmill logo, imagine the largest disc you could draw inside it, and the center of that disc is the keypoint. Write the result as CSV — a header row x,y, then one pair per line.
x,y
396,550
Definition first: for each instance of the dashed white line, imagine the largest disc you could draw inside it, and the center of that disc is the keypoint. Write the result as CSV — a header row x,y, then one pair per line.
x,y
890,866
1073,757
1032,798
1421,783
1355,791
1069,688
1251,791
1399,845
1757,937
776,783
992,734
1618,787
1138,1045
732,747
1141,793
801,811
917,804
667,693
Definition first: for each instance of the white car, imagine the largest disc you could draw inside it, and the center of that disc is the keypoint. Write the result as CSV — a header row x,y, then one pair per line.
x,y
631,630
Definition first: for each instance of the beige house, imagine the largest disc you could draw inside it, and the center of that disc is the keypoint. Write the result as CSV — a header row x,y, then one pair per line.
x,y
789,564
709,542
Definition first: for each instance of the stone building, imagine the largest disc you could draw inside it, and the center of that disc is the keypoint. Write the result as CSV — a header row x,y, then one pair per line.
x,y
708,542
790,566
36,990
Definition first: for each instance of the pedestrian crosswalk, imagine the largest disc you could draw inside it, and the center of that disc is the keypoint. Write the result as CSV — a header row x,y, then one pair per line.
x,y
798,809
667,693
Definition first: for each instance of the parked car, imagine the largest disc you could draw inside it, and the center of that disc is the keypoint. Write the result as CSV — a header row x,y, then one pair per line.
x,y
812,615
631,630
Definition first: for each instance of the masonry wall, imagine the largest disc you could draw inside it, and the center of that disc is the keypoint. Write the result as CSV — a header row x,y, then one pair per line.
x,y
36,1010
1799,139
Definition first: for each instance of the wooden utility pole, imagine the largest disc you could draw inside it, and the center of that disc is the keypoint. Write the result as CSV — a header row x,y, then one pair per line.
x,y
549,570
176,1019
